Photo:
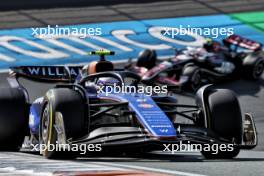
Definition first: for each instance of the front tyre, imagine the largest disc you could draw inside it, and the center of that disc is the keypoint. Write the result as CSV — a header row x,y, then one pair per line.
x,y
70,105
225,119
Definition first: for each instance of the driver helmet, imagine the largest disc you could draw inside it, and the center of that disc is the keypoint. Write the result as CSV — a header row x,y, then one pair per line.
x,y
211,45
147,59
96,67
208,45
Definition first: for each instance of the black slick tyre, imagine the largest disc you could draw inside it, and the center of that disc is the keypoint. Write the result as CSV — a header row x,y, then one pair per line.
x,y
225,120
70,105
13,118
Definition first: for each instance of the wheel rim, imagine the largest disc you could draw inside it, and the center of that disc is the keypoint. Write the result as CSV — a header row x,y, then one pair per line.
x,y
258,69
45,124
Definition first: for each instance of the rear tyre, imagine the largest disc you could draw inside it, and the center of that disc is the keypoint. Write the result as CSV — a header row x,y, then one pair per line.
x,y
194,77
225,120
258,69
254,69
147,59
72,108
13,118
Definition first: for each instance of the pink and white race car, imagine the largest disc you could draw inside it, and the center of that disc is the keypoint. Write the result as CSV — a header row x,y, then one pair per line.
x,y
236,57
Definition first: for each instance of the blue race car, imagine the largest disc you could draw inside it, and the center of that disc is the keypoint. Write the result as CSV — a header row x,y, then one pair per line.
x,y
81,110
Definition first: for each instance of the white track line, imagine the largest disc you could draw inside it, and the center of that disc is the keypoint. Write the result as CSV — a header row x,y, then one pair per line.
x,y
31,165
14,171
174,172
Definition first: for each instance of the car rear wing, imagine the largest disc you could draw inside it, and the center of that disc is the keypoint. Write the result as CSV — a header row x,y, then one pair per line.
x,y
242,42
47,73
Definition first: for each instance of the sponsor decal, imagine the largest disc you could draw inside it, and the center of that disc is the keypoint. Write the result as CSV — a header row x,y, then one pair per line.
x,y
145,105
50,71
31,119
141,100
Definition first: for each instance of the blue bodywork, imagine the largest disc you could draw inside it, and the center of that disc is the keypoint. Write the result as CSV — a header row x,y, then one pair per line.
x,y
148,113
155,121
34,115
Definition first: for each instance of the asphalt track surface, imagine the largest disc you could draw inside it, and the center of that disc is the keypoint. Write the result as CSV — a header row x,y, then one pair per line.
x,y
250,94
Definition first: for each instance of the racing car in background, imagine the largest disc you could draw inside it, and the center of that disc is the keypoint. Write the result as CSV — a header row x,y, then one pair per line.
x,y
191,67
74,112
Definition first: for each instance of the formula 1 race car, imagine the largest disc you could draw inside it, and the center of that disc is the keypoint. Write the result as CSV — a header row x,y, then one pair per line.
x,y
192,67
78,111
